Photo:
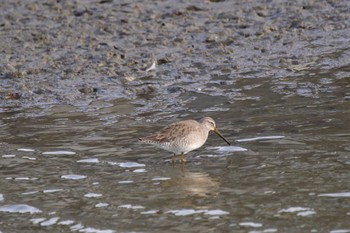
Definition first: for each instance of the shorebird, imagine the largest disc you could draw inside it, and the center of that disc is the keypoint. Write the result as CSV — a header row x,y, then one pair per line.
x,y
183,136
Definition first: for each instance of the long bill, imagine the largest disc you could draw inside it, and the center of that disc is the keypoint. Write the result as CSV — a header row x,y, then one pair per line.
x,y
221,136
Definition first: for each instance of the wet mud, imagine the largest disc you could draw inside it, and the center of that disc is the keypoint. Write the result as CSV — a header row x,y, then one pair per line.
x,y
72,52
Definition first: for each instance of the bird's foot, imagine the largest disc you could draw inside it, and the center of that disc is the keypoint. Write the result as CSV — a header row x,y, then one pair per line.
x,y
182,158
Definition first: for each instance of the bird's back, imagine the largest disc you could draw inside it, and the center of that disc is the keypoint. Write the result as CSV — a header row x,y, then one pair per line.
x,y
172,132
179,137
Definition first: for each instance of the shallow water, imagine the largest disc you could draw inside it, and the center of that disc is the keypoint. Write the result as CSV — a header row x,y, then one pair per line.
x,y
274,77
85,171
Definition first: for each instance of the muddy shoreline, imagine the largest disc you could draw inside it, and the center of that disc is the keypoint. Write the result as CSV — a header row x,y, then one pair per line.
x,y
68,52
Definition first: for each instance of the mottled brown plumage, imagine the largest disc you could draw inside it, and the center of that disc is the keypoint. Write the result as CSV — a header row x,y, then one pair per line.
x,y
183,136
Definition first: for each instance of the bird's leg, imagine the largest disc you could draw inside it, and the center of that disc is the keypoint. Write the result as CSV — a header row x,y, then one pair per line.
x,y
173,159
182,158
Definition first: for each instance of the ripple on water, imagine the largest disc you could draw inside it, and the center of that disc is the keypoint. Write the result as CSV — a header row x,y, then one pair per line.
x,y
60,152
66,222
186,212
223,149
93,195
90,160
141,170
52,190
131,164
161,178
127,164
129,206
26,178
19,208
125,182
94,230
8,156
216,212
50,221
342,194
29,193
29,158
73,177
26,150
259,138
340,231
77,227
250,224
101,204
300,211
150,212
37,220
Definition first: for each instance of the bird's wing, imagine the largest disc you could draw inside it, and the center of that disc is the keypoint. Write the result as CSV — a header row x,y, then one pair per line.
x,y
169,133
